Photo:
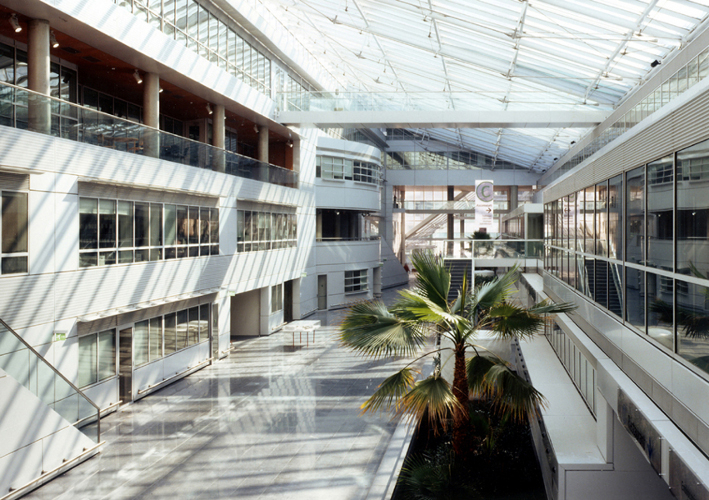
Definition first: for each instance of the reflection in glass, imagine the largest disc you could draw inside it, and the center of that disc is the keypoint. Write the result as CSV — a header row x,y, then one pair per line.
x,y
693,210
588,226
615,289
141,341
659,309
635,297
602,219
170,333
693,323
615,217
660,222
635,218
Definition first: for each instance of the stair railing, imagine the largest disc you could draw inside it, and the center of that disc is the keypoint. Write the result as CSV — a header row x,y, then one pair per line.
x,y
30,369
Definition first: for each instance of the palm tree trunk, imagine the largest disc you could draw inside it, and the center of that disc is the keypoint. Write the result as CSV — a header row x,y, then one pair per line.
x,y
461,418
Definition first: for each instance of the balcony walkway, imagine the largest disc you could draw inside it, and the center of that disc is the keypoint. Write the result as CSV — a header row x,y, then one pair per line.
x,y
269,422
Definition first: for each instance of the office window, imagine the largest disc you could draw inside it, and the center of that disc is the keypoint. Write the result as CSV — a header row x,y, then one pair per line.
x,y
601,224
356,281
276,298
116,231
258,231
660,217
692,211
14,223
692,333
615,217
635,215
97,357
161,336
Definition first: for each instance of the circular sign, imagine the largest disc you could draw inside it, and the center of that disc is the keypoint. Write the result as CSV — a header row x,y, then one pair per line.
x,y
484,191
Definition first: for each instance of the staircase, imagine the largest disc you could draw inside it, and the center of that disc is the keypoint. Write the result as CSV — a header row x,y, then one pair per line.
x,y
605,289
48,425
458,268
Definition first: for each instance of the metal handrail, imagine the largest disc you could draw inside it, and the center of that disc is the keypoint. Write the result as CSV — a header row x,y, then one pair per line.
x,y
61,376
105,128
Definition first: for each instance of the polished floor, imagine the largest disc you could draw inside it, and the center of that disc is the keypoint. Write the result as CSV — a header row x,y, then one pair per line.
x,y
269,422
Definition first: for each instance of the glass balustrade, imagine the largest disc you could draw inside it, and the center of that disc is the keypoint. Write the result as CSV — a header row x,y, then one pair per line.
x,y
24,109
21,362
480,250
419,101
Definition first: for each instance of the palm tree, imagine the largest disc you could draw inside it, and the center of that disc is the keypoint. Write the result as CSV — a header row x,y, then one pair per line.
x,y
405,328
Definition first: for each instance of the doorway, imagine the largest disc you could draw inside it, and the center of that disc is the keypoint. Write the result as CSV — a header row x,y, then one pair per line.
x,y
125,365
322,292
288,301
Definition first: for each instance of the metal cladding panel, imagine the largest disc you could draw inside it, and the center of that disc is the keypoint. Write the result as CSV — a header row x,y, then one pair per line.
x,y
14,182
27,300
678,130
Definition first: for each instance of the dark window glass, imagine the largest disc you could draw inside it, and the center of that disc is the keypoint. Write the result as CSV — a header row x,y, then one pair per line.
x,y
14,222
107,223
142,224
88,223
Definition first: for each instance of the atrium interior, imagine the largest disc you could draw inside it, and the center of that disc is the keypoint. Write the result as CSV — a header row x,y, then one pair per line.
x,y
184,180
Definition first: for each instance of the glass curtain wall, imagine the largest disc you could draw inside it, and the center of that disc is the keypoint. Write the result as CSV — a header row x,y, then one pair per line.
x,y
630,243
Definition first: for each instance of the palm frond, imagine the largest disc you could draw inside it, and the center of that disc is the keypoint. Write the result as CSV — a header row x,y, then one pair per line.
x,y
433,278
496,291
433,394
370,329
546,306
511,394
509,321
476,368
390,391
412,306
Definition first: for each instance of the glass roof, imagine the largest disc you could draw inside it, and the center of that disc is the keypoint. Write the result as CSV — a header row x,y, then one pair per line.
x,y
517,55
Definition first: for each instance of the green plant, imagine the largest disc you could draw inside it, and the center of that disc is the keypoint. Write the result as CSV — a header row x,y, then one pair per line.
x,y
372,329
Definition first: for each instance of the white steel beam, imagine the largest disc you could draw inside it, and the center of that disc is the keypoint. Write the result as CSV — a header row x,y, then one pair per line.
x,y
444,119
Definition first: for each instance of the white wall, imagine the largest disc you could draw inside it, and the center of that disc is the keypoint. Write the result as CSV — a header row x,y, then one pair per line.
x,y
336,257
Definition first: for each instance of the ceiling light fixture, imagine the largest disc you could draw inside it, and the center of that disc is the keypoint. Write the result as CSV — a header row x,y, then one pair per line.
x,y
53,40
160,91
209,109
290,144
655,63
255,128
15,23
137,77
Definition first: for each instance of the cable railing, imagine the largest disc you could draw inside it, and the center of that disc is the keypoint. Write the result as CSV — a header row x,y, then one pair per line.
x,y
19,360
24,109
